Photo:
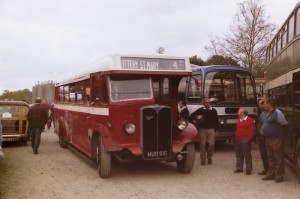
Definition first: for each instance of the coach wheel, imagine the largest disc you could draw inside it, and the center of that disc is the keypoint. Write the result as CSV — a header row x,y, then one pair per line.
x,y
186,164
103,160
62,142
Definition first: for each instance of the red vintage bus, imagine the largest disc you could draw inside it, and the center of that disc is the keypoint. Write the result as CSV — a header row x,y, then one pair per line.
x,y
125,106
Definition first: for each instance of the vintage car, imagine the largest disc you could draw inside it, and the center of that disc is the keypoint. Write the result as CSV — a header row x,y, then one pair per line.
x,y
13,119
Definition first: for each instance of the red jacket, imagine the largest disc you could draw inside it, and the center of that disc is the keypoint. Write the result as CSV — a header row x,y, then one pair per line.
x,y
244,129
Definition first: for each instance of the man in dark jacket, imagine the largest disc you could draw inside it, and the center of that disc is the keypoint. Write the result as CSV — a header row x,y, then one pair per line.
x,y
184,111
207,121
37,118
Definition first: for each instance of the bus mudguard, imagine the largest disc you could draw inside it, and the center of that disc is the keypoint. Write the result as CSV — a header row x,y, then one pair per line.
x,y
186,136
110,143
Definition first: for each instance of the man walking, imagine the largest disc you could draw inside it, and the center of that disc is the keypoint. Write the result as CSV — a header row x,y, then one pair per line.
x,y
243,136
261,137
207,121
274,128
37,118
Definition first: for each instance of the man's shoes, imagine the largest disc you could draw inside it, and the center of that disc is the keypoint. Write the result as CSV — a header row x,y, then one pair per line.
x,y
238,171
248,172
264,172
270,177
35,151
202,163
209,161
279,180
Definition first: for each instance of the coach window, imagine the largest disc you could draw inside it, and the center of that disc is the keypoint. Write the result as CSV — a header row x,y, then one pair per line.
x,y
278,43
66,93
284,36
298,22
274,48
182,88
291,28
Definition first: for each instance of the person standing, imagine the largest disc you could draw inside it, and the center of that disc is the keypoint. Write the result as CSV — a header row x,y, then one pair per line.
x,y
261,137
184,111
207,121
274,128
37,118
243,135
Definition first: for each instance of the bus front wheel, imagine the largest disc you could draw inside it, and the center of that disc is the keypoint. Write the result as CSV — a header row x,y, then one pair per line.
x,y
103,160
186,164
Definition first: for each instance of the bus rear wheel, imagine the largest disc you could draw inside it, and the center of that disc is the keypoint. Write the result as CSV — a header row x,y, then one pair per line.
x,y
186,164
103,160
62,142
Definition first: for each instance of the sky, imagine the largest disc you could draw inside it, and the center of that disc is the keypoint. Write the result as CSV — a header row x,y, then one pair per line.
x,y
43,40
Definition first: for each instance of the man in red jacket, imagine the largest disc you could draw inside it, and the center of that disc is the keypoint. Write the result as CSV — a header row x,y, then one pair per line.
x,y
243,136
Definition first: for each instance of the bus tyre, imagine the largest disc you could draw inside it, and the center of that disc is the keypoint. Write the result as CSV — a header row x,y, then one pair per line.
x,y
186,164
103,160
62,142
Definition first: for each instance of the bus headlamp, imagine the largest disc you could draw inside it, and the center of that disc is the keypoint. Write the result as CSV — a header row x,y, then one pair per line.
x,y
130,128
181,124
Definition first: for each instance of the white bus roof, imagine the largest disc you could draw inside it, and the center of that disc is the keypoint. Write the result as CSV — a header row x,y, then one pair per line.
x,y
129,62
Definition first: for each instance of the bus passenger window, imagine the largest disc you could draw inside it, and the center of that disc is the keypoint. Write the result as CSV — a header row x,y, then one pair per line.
x,y
79,92
96,95
61,94
66,93
72,93
87,91
104,91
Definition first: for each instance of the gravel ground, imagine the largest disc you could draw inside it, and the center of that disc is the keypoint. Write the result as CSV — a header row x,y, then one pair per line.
x,y
63,174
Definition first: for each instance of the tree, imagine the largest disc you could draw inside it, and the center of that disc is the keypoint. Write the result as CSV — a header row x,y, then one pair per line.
x,y
198,61
221,60
20,95
248,37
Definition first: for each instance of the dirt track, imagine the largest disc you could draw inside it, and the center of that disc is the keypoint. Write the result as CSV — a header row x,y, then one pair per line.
x,y
62,174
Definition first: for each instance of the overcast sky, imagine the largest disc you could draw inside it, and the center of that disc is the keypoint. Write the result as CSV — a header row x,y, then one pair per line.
x,y
41,40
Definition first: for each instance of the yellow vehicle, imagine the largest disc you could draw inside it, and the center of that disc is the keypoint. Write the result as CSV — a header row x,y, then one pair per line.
x,y
14,122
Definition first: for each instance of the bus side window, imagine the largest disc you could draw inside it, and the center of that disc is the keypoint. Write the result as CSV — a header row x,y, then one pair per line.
x,y
87,91
104,90
66,93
